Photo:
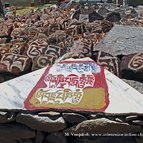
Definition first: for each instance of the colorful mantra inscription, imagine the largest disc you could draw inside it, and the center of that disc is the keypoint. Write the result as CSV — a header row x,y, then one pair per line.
x,y
70,85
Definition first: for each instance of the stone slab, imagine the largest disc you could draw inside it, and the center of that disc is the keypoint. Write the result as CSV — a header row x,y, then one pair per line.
x,y
123,98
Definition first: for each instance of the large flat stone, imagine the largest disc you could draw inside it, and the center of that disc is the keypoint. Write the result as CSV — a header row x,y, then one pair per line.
x,y
123,98
46,124
15,131
103,126
122,40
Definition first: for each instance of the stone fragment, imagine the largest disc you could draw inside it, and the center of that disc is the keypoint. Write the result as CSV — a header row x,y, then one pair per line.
x,y
15,131
132,66
103,126
40,123
56,138
73,117
113,17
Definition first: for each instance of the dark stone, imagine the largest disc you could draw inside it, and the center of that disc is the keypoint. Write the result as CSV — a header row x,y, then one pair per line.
x,y
15,64
131,117
109,62
56,138
137,122
106,25
95,16
113,17
103,126
132,66
15,131
73,117
41,123
3,117
39,137
42,61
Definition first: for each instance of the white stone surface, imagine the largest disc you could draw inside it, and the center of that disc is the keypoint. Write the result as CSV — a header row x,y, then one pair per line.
x,y
123,98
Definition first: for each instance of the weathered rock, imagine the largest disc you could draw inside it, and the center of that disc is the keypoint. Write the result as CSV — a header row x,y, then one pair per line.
x,y
39,137
131,117
120,42
132,66
6,117
56,138
103,126
73,117
109,62
135,84
92,116
95,16
49,114
15,131
137,122
41,123
113,17
15,64
42,61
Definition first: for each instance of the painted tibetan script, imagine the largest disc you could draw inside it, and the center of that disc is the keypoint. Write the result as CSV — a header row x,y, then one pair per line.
x,y
74,85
